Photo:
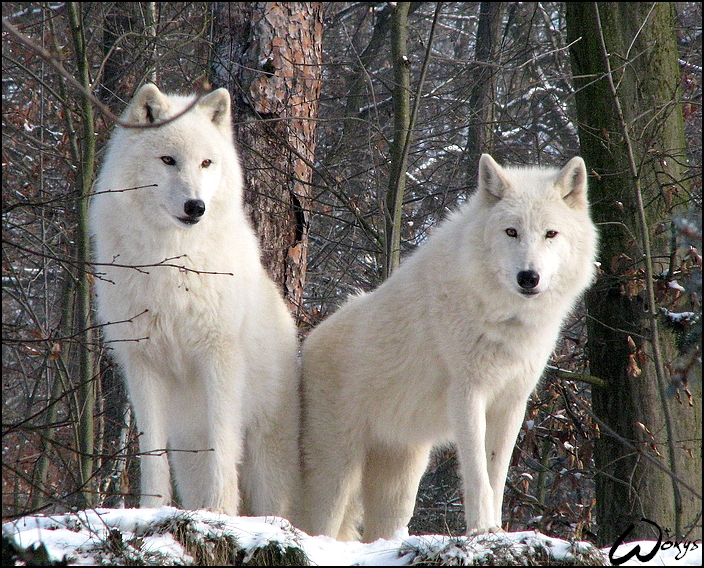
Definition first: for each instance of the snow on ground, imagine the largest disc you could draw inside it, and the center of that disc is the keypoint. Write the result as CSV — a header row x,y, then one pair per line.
x,y
169,536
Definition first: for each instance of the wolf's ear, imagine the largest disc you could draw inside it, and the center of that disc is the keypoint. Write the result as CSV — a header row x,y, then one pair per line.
x,y
491,177
217,105
148,106
572,183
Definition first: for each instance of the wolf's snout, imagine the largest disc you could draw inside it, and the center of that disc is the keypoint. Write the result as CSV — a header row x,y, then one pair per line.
x,y
528,280
194,208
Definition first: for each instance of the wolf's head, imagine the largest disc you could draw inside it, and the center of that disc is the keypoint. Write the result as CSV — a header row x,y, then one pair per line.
x,y
537,227
177,150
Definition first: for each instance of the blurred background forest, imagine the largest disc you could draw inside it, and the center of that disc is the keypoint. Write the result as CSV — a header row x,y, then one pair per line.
x,y
320,93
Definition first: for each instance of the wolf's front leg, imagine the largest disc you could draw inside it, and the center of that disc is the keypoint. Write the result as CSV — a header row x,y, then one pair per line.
x,y
504,421
270,474
207,440
468,416
146,394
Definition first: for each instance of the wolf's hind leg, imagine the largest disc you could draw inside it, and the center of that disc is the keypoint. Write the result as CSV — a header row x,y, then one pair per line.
x,y
389,487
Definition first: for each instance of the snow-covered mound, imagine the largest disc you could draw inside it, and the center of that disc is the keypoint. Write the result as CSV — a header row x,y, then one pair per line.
x,y
169,536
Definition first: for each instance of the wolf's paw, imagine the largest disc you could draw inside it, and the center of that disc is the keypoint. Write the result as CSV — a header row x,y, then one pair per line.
x,y
491,530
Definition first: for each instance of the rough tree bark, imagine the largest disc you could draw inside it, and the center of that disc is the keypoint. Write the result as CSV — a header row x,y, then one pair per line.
x,y
640,40
269,55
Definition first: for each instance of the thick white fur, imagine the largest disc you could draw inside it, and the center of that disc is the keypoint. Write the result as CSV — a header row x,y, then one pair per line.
x,y
448,349
208,350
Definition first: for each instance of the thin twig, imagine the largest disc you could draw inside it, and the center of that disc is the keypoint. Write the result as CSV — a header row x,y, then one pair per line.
x,y
85,91
604,427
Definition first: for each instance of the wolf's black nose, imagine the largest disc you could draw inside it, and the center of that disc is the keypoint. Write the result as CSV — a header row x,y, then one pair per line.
x,y
194,208
528,279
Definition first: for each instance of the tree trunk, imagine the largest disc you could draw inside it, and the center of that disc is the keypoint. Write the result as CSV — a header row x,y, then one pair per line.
x,y
640,41
113,89
269,55
402,123
358,83
481,98
84,331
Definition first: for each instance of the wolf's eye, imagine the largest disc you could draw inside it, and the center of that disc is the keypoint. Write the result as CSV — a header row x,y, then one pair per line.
x,y
550,234
205,163
511,232
168,160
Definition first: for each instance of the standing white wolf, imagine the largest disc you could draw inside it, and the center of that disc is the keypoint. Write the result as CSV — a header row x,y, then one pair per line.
x,y
206,343
448,349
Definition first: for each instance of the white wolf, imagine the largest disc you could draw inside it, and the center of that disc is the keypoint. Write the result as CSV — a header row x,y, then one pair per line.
x,y
448,349
206,343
